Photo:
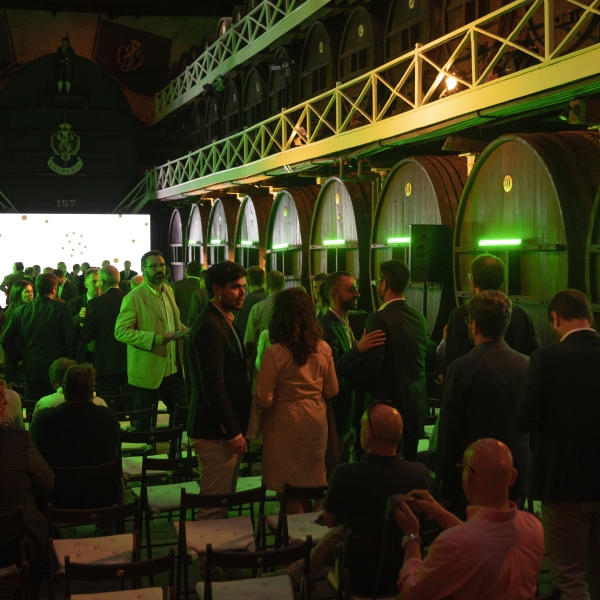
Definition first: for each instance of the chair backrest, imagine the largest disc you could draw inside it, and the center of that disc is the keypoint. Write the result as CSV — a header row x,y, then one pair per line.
x,y
302,493
134,415
12,538
89,486
91,516
29,407
120,403
152,438
16,579
180,415
173,465
121,571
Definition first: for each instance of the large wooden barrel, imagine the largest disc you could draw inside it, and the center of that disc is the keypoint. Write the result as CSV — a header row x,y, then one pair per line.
x,y
239,12
420,191
288,233
339,233
198,124
251,230
255,97
528,200
185,60
176,246
195,52
223,26
212,121
196,230
178,133
221,230
207,42
232,108
283,82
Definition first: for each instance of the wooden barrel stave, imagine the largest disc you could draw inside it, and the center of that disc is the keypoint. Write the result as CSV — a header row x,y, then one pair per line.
x,y
251,225
220,242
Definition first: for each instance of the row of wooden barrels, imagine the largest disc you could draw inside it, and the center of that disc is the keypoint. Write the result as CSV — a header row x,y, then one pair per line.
x,y
345,44
531,199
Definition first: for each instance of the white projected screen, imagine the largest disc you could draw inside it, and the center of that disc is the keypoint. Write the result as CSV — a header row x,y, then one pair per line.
x,y
46,240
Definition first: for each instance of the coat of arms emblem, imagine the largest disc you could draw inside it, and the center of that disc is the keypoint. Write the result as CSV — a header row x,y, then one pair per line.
x,y
129,56
65,144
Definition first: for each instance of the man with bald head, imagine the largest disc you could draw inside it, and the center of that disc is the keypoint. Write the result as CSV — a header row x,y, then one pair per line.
x,y
110,356
357,499
496,554
136,280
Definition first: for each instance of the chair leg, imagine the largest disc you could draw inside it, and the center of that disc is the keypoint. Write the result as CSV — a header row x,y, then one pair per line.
x,y
186,581
147,515
51,571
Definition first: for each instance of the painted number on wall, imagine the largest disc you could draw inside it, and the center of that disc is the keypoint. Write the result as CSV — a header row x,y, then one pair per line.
x,y
65,203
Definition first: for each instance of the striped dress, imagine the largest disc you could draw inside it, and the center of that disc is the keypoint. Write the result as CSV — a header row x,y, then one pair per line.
x,y
295,422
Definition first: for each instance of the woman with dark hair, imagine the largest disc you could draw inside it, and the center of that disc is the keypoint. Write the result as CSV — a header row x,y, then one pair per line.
x,y
296,374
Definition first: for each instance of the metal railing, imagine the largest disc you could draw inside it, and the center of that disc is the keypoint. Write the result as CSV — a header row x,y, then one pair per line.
x,y
270,16
415,79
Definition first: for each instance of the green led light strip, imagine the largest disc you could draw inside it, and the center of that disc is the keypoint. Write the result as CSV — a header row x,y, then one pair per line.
x,y
215,241
246,243
403,240
193,241
280,246
512,242
333,242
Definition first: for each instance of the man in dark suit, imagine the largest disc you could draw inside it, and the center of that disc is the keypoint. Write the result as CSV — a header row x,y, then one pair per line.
x,y
185,288
395,371
69,276
38,333
110,356
127,273
81,279
16,275
221,396
488,273
342,290
78,309
561,409
199,301
256,293
481,391
66,290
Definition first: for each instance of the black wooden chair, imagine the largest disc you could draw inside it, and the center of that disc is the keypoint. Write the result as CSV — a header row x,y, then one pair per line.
x,y
120,403
12,539
15,579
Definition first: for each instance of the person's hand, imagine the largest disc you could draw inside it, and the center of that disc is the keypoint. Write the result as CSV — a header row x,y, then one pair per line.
x,y
82,313
370,340
406,520
423,502
163,340
238,446
445,332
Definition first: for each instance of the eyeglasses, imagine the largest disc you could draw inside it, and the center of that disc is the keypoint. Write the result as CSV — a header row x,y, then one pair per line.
x,y
154,267
368,411
461,466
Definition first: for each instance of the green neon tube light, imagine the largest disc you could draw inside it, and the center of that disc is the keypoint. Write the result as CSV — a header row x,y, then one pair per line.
x,y
512,242
246,243
280,246
193,241
215,241
333,242
403,240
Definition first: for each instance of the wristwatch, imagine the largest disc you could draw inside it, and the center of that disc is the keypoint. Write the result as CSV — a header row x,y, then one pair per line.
x,y
411,537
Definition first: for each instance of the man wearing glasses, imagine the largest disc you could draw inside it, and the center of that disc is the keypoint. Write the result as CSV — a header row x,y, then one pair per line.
x,y
148,323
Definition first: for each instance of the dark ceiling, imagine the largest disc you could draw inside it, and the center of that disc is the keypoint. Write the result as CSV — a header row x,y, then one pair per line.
x,y
119,8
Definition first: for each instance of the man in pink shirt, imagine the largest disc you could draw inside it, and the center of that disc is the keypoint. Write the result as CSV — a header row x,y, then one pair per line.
x,y
495,554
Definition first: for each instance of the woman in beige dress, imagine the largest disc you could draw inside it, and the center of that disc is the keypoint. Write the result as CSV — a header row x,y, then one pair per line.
x,y
296,374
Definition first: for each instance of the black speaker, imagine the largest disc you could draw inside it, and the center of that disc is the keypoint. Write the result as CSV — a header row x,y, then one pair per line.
x,y
430,256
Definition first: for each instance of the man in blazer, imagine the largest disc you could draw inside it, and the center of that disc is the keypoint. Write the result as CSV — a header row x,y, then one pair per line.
x,y
481,391
38,333
110,356
561,410
66,290
221,396
185,288
78,309
488,273
127,274
148,322
342,290
395,371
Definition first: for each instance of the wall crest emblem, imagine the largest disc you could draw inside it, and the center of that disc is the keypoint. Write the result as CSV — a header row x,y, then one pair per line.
x,y
65,144
129,56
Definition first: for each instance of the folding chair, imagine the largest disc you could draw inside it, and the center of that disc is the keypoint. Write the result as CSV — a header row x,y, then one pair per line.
x,y
12,578
120,403
120,548
135,571
12,539
28,407
128,419
237,533
247,481
273,587
300,525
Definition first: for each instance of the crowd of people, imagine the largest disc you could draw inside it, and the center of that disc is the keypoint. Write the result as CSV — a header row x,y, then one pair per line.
x,y
334,396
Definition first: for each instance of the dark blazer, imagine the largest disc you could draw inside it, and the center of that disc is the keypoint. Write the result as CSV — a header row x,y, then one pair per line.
x,y
69,291
520,335
110,356
198,302
183,290
560,407
395,371
479,400
38,333
75,305
346,359
221,396
131,275
241,318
